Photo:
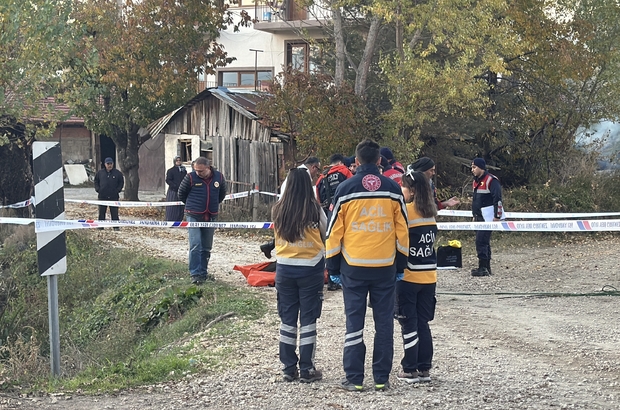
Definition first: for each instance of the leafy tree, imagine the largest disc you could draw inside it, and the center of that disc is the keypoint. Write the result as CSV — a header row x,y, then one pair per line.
x,y
563,77
33,38
447,45
138,60
322,120
567,79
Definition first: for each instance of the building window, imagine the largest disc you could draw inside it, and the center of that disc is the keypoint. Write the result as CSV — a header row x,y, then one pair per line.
x,y
303,57
244,78
185,150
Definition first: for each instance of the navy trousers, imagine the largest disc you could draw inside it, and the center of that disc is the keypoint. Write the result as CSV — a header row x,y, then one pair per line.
x,y
483,244
381,293
113,212
299,299
415,307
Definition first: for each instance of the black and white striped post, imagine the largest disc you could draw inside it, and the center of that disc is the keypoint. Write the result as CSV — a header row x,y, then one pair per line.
x,y
51,246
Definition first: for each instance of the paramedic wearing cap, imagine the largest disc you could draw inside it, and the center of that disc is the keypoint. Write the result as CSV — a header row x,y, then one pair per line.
x,y
427,166
367,243
109,183
487,194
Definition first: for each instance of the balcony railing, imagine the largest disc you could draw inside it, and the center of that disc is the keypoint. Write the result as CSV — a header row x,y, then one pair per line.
x,y
288,10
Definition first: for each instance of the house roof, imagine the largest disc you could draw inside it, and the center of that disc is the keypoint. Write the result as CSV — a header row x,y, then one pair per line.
x,y
49,109
243,102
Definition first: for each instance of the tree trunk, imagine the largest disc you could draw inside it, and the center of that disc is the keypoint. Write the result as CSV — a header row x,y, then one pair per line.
x,y
129,161
340,47
371,40
15,172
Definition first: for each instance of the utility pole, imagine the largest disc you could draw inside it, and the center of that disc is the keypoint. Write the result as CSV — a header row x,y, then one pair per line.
x,y
256,67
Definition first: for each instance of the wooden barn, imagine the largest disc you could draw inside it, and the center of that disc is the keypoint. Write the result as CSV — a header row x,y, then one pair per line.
x,y
220,125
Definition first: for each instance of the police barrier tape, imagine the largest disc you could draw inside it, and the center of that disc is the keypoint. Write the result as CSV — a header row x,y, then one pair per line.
x,y
44,225
443,212
533,215
22,204
136,204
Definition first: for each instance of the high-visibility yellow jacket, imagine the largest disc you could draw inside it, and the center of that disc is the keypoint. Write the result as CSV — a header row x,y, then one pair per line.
x,y
422,260
305,256
367,232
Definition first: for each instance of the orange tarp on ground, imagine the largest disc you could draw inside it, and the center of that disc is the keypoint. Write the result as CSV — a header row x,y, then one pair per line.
x,y
261,274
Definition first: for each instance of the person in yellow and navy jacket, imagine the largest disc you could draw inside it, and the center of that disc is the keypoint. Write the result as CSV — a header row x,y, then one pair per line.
x,y
415,287
367,243
299,224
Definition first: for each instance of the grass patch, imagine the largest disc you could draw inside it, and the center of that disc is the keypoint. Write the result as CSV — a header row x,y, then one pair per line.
x,y
125,319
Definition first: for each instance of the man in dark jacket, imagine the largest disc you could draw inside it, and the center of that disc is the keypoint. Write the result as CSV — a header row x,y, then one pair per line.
x,y
174,176
202,191
329,180
486,206
427,166
109,183
326,185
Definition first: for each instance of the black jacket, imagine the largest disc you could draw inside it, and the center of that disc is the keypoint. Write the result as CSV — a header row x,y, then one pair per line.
x,y
109,184
174,176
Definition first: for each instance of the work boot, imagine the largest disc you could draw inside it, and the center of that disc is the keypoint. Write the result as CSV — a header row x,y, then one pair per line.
x,y
482,269
487,264
267,247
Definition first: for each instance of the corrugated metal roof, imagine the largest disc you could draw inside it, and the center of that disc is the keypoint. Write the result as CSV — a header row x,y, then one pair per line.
x,y
242,101
154,128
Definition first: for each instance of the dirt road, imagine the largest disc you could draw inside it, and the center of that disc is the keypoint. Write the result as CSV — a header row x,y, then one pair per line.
x,y
499,343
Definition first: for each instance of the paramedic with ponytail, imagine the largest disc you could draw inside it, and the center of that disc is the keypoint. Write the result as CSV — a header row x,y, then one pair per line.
x,y
299,224
415,287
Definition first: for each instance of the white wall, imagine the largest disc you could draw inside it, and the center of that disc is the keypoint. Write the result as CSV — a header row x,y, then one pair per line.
x,y
238,45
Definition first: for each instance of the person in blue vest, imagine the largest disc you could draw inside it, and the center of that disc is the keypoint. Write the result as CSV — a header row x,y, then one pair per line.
x,y
367,243
486,206
299,224
415,287
202,191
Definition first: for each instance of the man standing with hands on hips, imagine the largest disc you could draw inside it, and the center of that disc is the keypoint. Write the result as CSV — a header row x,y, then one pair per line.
x,y
202,191
486,207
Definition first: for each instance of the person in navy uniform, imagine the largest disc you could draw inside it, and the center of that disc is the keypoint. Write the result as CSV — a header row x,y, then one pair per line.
x,y
487,196
299,225
367,243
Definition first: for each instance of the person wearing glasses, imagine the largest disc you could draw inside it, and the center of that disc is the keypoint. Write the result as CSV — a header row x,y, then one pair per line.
x,y
202,191
367,243
427,166
312,166
299,225
415,287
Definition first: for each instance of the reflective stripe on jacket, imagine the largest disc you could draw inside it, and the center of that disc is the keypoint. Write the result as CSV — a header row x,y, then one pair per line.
x,y
368,226
422,260
487,192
